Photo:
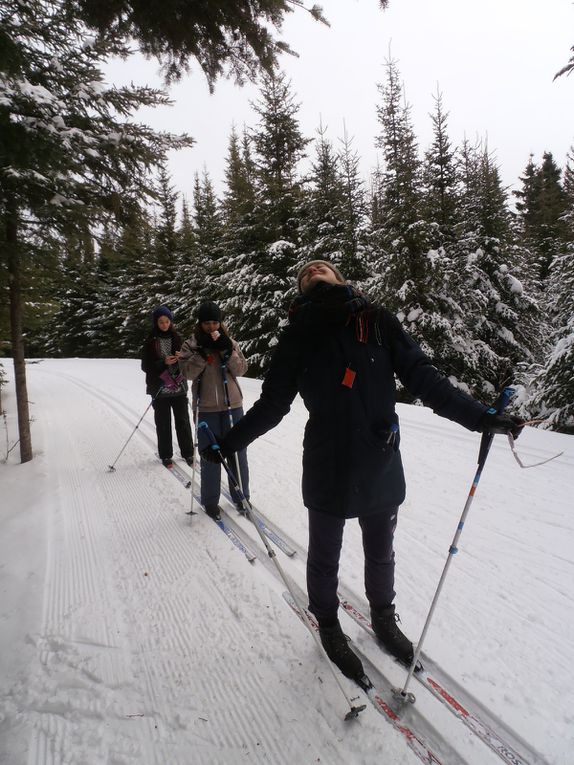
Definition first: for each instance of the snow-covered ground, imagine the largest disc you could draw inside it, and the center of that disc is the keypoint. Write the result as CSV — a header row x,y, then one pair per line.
x,y
130,634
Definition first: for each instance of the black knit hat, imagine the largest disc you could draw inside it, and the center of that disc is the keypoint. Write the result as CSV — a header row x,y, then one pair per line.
x,y
209,311
163,310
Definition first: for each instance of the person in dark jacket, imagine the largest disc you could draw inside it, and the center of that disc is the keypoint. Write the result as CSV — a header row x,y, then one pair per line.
x,y
341,353
167,386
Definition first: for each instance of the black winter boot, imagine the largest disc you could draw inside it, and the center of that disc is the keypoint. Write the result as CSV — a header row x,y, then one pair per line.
x,y
387,630
214,511
336,645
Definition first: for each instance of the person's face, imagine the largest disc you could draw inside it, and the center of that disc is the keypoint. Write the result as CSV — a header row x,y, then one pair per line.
x,y
163,323
318,272
210,326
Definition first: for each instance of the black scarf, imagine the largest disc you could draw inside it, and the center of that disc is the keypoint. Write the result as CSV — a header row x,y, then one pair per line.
x,y
330,306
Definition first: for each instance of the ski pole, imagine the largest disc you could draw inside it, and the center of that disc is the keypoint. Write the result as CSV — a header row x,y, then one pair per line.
x,y
195,416
485,444
111,468
228,404
354,710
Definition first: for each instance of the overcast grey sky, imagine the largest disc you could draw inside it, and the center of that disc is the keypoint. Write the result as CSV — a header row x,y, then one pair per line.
x,y
492,60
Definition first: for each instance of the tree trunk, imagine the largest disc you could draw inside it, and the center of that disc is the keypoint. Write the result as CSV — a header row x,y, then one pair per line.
x,y
14,278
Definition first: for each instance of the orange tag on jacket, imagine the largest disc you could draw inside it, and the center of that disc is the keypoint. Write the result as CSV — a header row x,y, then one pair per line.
x,y
349,378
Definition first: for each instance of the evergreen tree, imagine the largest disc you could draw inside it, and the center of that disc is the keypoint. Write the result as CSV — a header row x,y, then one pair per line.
x,y
186,240
239,195
400,239
132,281
189,272
333,215
258,280
503,318
541,206
400,185
238,204
526,197
552,387
69,151
354,214
322,225
166,237
207,226
224,38
412,276
440,179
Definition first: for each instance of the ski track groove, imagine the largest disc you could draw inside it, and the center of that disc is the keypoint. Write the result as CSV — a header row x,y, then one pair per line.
x,y
73,579
106,510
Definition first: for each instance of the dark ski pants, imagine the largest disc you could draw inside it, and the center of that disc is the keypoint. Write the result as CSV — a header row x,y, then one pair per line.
x,y
162,409
325,541
211,471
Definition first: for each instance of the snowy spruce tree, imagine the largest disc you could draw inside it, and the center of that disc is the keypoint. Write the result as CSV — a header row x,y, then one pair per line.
x,y
415,273
354,214
259,278
201,261
440,197
76,298
551,390
71,154
501,314
541,205
333,211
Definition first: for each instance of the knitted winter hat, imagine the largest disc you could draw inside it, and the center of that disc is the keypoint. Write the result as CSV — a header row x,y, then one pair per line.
x,y
163,310
209,311
333,268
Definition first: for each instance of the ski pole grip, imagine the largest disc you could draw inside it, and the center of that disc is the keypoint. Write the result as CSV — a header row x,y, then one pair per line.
x,y
504,399
497,408
209,433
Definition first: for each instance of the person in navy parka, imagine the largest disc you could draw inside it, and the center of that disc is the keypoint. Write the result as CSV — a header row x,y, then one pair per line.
x,y
341,353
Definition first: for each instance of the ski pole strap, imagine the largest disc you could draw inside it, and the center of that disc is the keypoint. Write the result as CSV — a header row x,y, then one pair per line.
x,y
535,464
497,408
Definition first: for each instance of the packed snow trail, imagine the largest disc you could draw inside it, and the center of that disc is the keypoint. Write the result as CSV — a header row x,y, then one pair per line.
x,y
160,643
156,644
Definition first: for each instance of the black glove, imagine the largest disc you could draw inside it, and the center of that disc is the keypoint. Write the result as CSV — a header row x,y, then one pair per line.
x,y
214,455
223,343
501,423
205,340
209,454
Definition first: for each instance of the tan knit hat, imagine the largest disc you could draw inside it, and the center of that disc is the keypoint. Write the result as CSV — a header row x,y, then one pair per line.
x,y
333,268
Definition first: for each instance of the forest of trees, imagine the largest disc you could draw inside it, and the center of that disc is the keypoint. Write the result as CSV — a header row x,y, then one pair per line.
x,y
482,279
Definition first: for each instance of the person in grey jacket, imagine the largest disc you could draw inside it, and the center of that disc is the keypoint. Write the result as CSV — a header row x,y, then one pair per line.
x,y
213,361
341,353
